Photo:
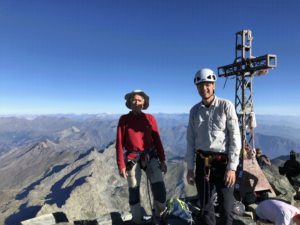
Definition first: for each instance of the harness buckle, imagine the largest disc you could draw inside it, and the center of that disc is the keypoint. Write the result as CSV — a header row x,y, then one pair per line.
x,y
207,161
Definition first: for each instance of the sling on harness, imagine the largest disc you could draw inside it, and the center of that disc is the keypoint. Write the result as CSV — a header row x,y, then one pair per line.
x,y
208,200
141,157
208,159
206,186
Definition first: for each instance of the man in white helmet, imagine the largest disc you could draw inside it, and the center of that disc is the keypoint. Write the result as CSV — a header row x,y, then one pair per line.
x,y
213,139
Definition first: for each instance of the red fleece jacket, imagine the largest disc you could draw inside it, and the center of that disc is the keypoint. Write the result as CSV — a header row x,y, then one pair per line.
x,y
137,132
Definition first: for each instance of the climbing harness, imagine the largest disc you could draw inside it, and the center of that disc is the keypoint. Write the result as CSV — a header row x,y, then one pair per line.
x,y
143,158
208,158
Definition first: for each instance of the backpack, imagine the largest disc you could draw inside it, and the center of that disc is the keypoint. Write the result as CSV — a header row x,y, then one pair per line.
x,y
179,208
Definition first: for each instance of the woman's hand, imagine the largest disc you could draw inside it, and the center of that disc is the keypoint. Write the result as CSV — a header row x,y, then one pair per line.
x,y
163,167
123,173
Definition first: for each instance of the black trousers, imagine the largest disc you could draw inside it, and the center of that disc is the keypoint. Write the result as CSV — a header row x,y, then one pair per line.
x,y
215,184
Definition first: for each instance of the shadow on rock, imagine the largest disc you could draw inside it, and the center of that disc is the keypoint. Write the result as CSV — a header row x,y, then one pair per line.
x,y
23,214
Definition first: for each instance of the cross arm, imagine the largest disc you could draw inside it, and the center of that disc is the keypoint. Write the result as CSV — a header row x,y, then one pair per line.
x,y
248,66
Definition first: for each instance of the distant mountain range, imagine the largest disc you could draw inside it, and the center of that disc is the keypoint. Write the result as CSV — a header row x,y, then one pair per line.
x,y
276,135
80,132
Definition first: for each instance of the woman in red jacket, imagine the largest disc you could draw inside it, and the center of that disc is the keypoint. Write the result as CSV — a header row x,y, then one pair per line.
x,y
138,147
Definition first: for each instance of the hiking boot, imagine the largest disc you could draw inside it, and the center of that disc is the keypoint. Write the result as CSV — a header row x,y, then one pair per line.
x,y
161,221
146,220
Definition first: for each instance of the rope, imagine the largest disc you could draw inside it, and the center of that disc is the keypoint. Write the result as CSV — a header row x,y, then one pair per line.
x,y
225,83
205,183
148,189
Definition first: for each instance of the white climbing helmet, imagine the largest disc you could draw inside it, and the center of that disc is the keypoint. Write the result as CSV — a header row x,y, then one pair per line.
x,y
205,75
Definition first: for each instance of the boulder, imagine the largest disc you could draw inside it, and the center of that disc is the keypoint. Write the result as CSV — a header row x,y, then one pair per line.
x,y
282,187
47,219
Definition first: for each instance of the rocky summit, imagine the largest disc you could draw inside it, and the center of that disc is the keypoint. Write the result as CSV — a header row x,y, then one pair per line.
x,y
87,189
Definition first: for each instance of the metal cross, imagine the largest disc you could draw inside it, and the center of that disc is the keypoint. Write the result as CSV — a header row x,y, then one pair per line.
x,y
244,68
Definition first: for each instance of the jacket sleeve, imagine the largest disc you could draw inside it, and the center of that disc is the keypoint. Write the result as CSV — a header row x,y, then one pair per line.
x,y
190,138
157,141
234,136
119,143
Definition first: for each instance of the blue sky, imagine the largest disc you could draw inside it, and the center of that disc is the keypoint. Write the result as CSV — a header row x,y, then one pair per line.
x,y
63,56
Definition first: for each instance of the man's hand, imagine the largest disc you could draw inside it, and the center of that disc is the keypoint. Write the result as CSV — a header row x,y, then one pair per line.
x,y
123,173
190,177
229,178
163,167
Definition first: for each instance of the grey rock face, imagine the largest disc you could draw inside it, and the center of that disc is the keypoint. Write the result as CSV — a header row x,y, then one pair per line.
x,y
283,189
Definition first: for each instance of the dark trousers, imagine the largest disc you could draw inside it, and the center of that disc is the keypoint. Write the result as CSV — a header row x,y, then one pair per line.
x,y
215,184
